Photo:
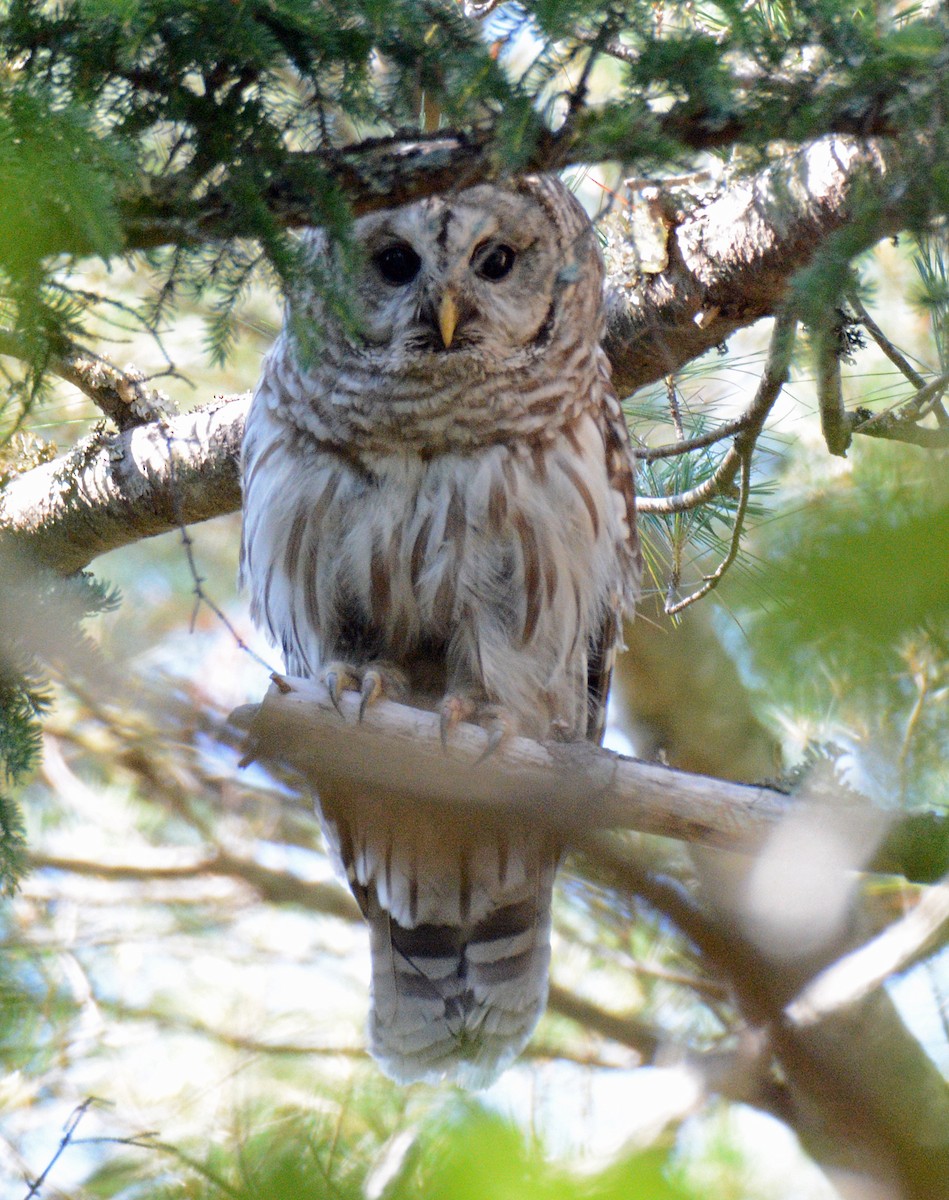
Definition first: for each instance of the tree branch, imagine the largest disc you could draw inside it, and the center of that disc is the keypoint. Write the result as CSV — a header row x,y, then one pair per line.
x,y
853,1084
114,489
122,396
575,787
730,260
750,424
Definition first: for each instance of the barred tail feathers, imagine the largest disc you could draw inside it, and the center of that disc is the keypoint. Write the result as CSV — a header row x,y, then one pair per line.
x,y
460,940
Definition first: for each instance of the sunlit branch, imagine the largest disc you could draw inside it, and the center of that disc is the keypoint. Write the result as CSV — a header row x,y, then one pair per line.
x,y
699,442
111,490
854,976
575,787
122,396
252,1045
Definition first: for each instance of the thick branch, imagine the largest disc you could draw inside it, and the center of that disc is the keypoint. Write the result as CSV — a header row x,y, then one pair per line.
x,y
575,787
375,173
114,489
731,260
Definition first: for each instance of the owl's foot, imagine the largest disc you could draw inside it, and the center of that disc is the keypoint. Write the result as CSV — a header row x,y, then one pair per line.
x,y
497,722
372,682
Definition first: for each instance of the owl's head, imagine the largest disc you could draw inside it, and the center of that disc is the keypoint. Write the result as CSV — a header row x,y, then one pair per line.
x,y
492,271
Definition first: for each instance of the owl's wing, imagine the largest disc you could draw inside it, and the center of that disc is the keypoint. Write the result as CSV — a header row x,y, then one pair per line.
x,y
601,653
601,656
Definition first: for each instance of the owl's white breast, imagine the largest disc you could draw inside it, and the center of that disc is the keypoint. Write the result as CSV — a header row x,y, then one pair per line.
x,y
501,562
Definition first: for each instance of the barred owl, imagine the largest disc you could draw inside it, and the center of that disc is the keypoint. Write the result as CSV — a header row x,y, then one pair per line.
x,y
438,506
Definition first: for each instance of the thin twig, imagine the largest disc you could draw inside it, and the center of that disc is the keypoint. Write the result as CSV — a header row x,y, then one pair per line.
x,y
69,1130
200,595
699,442
891,352
712,581
773,378
675,410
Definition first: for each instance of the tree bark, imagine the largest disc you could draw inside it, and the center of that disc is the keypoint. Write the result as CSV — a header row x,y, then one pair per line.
x,y
115,489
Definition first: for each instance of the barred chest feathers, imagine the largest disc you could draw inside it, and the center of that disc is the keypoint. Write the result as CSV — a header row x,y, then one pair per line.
x,y
500,565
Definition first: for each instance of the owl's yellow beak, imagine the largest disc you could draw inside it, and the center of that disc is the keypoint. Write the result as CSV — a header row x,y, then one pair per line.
x,y
447,318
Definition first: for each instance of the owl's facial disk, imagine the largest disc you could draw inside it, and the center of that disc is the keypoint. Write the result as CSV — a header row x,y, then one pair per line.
x,y
475,272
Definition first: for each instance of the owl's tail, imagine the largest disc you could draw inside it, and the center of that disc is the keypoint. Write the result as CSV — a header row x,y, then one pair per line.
x,y
460,939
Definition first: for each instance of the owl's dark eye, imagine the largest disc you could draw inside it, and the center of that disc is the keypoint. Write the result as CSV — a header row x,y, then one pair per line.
x,y
497,263
398,264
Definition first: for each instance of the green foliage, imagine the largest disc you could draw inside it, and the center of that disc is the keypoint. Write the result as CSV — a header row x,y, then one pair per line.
x,y
40,618
461,1151
932,267
860,629
471,1153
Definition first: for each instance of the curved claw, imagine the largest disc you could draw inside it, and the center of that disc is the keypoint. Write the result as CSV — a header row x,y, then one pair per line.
x,y
498,732
371,690
337,679
331,679
454,709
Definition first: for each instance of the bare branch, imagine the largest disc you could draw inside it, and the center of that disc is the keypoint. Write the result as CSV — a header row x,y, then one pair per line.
x,y
891,352
122,396
277,887
854,976
628,1031
900,424
575,787
773,378
853,1078
115,489
900,431
712,581
389,171
699,442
